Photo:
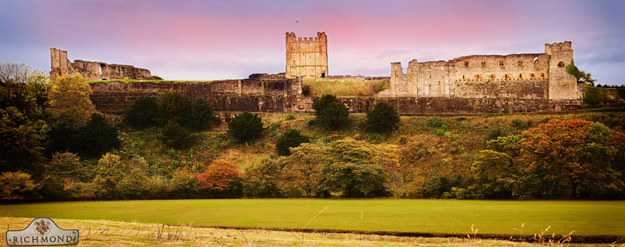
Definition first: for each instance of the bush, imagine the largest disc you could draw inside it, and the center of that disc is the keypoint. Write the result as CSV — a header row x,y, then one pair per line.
x,y
261,180
290,138
382,119
15,185
434,122
323,103
97,137
594,96
141,112
200,115
334,116
172,106
245,127
306,90
175,136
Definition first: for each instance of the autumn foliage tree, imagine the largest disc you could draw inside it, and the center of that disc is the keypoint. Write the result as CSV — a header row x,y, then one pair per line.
x,y
70,94
221,179
572,159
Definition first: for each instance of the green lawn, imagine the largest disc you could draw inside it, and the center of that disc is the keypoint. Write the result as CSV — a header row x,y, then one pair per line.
x,y
584,217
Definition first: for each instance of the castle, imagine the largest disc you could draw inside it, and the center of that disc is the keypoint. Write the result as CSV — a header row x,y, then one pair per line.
x,y
94,70
521,76
307,57
470,84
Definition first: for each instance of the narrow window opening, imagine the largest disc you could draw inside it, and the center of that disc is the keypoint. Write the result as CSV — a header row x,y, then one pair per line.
x,y
542,75
532,75
492,76
483,64
466,64
500,63
323,75
561,64
462,77
520,76
505,76
520,63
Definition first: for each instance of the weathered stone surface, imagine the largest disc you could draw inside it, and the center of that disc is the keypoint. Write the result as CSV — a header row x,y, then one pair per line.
x,y
94,70
523,76
307,57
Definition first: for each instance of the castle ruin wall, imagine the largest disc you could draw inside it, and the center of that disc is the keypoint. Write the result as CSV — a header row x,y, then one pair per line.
x,y
61,65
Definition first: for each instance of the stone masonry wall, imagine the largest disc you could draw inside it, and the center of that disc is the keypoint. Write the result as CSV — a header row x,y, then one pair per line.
x,y
94,70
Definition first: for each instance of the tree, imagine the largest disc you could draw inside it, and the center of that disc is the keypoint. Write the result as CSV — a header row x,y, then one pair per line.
x,y
18,73
301,174
594,96
15,185
221,178
172,106
571,159
245,127
495,175
580,76
382,119
175,136
70,94
335,116
291,138
200,115
142,112
21,141
97,137
323,103
261,180
355,169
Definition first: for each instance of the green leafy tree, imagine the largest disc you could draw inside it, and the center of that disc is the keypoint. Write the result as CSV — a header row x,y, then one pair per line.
x,y
354,169
172,106
245,127
97,136
21,141
261,180
335,116
495,175
323,103
580,76
291,138
176,136
142,112
200,115
382,119
301,174
15,185
70,94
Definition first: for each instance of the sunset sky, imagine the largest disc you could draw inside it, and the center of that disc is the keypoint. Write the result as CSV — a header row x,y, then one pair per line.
x,y
206,40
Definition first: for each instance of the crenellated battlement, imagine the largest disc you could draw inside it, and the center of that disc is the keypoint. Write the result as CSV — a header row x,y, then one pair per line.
x,y
306,57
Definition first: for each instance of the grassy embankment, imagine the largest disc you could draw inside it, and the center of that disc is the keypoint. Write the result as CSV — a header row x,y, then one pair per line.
x,y
442,216
344,87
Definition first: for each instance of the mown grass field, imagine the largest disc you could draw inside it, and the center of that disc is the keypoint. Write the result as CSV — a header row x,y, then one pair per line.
x,y
444,216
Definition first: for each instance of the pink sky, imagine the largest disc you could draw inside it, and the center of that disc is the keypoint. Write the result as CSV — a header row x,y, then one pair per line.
x,y
193,39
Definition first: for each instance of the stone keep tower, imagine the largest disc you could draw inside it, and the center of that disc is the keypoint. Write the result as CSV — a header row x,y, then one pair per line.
x,y
562,85
307,57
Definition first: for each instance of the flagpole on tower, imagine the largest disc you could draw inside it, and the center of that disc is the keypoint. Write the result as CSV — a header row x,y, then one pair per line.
x,y
296,26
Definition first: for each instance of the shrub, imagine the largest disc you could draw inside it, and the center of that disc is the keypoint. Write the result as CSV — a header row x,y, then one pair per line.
x,y
323,103
434,122
310,122
142,112
155,77
260,180
245,127
594,96
306,90
175,136
290,138
172,106
383,85
620,92
334,116
200,115
97,137
382,119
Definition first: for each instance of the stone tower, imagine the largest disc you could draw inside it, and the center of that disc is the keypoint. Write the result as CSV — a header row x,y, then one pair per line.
x,y
562,85
307,57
